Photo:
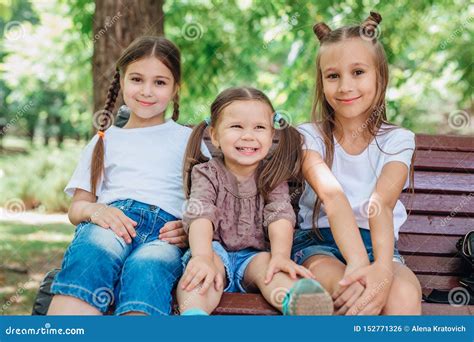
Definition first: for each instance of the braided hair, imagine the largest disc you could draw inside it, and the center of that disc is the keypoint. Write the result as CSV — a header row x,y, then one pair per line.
x,y
147,46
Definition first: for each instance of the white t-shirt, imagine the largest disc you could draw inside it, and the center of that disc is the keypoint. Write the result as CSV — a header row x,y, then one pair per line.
x,y
357,174
144,164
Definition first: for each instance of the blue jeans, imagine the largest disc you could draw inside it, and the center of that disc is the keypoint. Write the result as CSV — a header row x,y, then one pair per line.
x,y
101,269
235,264
306,244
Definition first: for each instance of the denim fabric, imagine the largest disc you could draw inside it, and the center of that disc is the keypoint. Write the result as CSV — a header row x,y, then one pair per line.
x,y
306,244
101,269
235,264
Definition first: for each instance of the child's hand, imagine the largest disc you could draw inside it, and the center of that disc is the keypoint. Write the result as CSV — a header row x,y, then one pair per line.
x,y
345,296
201,269
280,263
377,279
114,219
173,232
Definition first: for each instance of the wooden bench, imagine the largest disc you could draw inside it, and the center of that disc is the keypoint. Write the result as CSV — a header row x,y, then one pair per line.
x,y
441,211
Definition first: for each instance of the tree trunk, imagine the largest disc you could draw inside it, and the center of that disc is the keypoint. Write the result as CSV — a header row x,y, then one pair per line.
x,y
116,24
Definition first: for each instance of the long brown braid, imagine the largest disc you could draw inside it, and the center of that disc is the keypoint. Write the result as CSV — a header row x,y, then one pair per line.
x,y
147,46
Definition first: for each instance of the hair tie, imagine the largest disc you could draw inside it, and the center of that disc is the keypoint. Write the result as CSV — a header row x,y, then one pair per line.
x,y
208,120
277,117
101,134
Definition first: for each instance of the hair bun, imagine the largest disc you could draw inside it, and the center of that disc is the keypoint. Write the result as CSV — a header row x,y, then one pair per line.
x,y
321,30
373,19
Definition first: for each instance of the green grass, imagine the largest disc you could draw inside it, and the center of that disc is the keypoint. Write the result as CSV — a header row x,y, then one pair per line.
x,y
27,253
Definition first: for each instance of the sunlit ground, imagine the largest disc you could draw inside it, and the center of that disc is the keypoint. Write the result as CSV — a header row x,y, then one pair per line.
x,y
27,253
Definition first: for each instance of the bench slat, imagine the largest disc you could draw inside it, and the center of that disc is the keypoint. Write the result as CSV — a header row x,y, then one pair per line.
x,y
437,225
437,204
444,142
239,304
436,245
421,264
442,182
444,161
439,282
445,309
244,304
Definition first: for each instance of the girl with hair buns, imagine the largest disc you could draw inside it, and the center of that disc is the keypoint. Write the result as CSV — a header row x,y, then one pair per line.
x,y
356,259
127,194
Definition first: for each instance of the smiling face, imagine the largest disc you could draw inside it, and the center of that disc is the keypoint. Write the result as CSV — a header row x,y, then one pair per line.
x,y
244,134
349,77
148,87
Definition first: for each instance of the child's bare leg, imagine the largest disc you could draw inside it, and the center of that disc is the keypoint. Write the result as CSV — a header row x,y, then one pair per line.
x,y
68,305
207,301
306,296
405,293
276,290
327,270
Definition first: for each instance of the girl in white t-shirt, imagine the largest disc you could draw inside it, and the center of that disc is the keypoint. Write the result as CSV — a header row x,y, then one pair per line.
x,y
371,162
127,193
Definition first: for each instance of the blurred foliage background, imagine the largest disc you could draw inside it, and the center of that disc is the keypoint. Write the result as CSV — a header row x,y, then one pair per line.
x,y
47,93
46,88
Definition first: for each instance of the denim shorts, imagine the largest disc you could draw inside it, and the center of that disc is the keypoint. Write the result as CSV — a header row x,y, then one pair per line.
x,y
235,264
101,269
306,244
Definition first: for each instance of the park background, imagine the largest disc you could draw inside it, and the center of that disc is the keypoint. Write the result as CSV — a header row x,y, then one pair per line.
x,y
57,60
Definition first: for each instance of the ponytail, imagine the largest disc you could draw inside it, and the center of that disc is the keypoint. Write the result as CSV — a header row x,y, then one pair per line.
x,y
193,155
105,120
285,162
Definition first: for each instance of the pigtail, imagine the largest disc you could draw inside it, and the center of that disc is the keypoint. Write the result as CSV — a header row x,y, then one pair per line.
x,y
193,155
285,162
97,162
321,30
175,116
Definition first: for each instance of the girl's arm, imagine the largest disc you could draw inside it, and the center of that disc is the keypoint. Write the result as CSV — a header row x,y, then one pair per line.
x,y
341,218
200,237
378,276
85,208
280,233
201,268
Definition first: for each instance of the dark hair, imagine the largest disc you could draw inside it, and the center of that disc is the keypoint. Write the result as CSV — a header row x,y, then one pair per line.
x,y
147,46
283,164
322,111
